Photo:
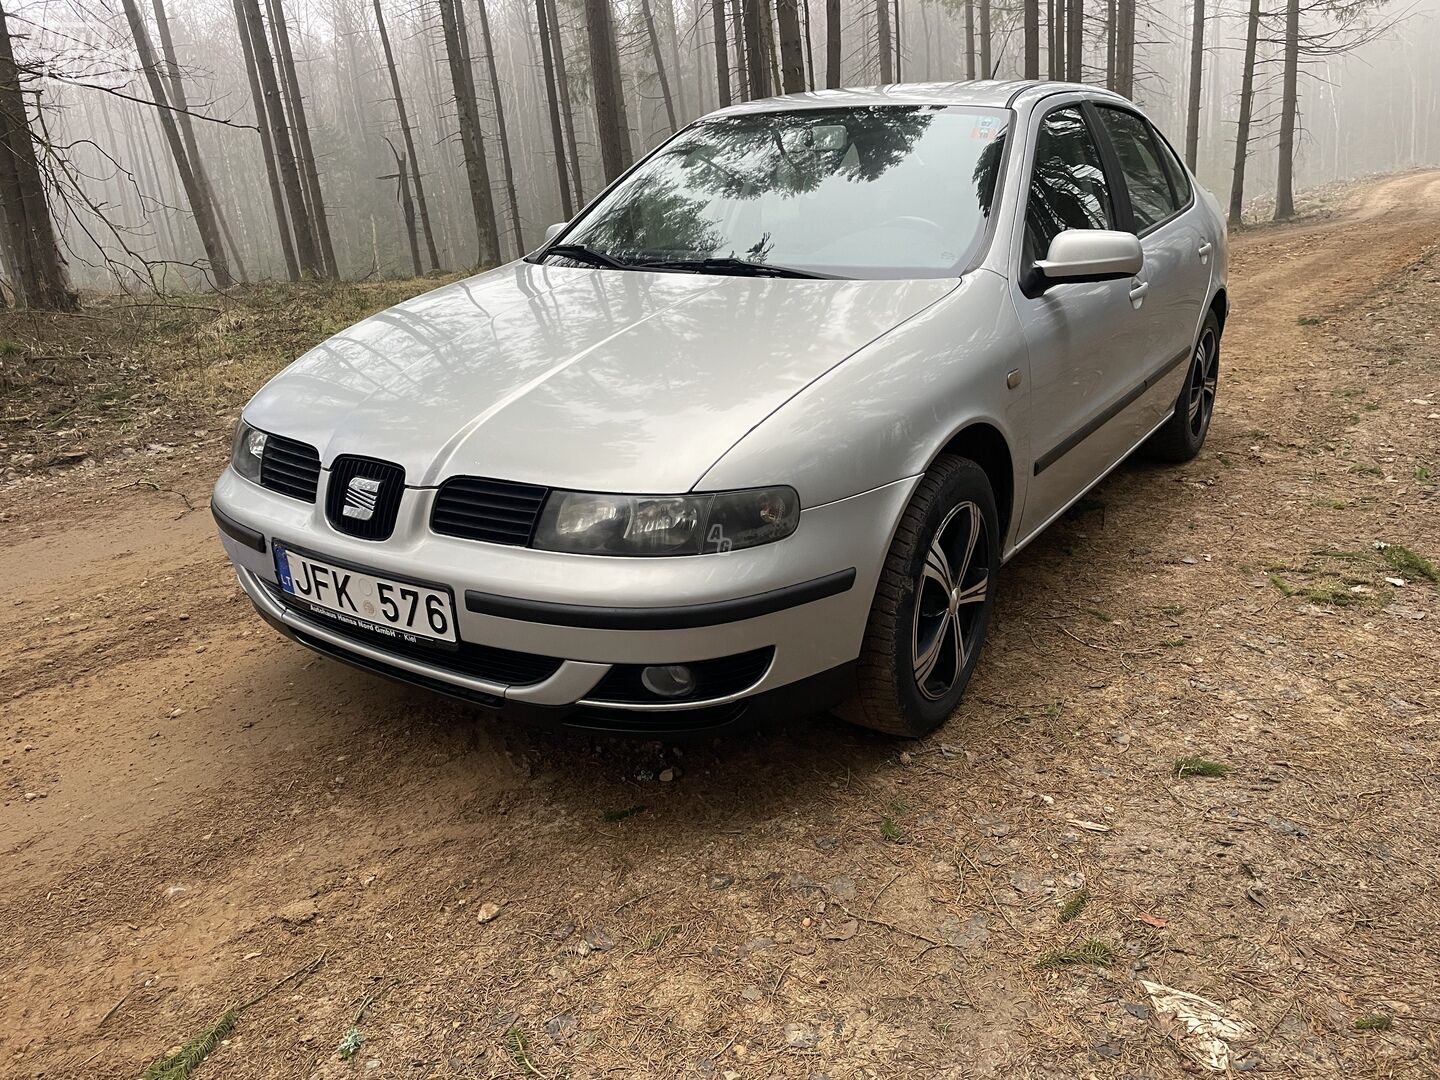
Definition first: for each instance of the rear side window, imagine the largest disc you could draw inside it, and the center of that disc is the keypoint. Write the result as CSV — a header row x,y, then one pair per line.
x,y
1151,197
1179,180
1067,184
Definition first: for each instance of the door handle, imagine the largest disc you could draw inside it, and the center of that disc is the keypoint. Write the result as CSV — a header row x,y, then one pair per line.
x,y
1204,251
1138,291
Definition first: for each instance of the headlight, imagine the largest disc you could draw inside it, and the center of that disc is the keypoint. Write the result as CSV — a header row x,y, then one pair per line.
x,y
591,524
247,451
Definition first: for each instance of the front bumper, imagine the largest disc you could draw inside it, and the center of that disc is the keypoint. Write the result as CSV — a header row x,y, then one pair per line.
x,y
805,600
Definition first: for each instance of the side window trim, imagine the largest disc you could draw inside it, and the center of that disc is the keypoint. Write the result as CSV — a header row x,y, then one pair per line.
x,y
1112,163
1114,174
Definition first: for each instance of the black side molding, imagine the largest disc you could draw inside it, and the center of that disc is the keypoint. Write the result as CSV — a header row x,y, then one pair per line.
x,y
660,618
233,529
1045,460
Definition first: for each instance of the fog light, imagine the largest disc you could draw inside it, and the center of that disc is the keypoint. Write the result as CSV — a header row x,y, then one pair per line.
x,y
668,680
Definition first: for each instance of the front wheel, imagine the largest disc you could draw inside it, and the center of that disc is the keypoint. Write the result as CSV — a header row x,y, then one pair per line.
x,y
933,604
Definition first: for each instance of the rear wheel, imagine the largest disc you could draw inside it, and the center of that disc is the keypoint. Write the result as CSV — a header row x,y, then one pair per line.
x,y
1184,433
933,604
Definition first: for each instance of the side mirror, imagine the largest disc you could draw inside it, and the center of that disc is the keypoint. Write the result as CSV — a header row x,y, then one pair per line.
x,y
552,231
1091,255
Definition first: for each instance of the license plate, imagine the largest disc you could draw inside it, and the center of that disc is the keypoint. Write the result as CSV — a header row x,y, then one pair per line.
x,y
405,610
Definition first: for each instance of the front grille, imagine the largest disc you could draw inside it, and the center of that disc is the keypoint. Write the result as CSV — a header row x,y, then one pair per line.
x,y
290,467
498,511
713,679
362,512
477,661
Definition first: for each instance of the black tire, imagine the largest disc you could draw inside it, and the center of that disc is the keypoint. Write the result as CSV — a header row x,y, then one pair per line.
x,y
890,695
1184,433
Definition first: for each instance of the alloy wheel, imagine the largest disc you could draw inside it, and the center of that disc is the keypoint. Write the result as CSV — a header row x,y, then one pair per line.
x,y
1204,373
949,598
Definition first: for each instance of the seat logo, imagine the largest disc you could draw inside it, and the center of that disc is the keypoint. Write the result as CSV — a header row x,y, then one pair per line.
x,y
361,495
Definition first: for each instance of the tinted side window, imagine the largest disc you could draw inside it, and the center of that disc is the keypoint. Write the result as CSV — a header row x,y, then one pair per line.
x,y
1067,184
1151,199
1179,180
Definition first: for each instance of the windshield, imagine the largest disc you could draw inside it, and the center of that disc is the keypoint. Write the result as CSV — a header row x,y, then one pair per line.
x,y
882,191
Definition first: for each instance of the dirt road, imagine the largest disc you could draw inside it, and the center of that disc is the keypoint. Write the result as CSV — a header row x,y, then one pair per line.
x,y
193,809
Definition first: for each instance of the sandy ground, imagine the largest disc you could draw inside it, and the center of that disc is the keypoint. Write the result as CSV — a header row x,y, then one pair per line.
x,y
192,809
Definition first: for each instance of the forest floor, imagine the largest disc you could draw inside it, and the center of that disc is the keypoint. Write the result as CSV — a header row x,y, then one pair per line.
x,y
192,809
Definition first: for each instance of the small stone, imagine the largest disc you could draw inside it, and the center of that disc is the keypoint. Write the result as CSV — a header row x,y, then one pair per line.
x,y
561,1027
301,911
905,758
599,940
752,993
719,882
31,796
827,843
487,912
801,1036
666,775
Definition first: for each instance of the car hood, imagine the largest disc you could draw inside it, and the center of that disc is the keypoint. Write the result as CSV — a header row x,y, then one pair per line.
x,y
597,380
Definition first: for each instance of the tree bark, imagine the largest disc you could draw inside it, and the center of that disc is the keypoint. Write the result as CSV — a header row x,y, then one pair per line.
x,y
809,45
1111,37
303,149
1247,105
649,17
742,63
477,172
567,111
985,70
1289,112
1053,60
567,207
899,51
407,206
609,100
430,250
30,244
832,44
792,48
267,146
195,193
1075,41
1032,39
1125,48
882,40
1197,71
187,131
506,166
758,72
969,40
722,54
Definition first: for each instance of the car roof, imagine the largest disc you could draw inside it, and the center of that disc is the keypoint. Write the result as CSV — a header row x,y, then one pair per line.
x,y
993,93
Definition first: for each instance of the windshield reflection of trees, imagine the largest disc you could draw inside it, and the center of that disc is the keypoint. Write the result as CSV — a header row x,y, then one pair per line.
x,y
742,158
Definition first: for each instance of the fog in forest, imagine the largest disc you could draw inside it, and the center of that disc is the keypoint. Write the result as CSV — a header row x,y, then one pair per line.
x,y
511,123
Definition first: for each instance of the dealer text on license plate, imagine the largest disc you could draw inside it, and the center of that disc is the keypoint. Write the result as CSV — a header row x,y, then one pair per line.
x,y
400,609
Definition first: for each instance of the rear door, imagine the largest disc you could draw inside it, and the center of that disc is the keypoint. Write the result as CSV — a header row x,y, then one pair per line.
x,y
1085,339
1165,216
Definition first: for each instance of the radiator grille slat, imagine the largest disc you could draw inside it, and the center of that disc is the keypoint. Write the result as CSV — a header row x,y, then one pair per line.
x,y
290,467
496,511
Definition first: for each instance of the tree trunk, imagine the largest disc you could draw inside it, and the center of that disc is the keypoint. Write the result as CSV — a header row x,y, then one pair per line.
x,y
1289,110
792,48
832,44
195,192
1197,71
1125,48
1247,105
408,136
605,76
675,68
187,131
1053,60
33,255
505,163
986,72
1075,41
969,40
759,75
407,206
303,150
882,41
809,45
772,54
1111,37
567,111
1032,39
267,146
477,172
722,54
648,15
742,63
899,50
567,207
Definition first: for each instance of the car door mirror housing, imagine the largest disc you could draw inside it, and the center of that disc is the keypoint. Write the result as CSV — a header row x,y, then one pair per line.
x,y
552,231
1091,255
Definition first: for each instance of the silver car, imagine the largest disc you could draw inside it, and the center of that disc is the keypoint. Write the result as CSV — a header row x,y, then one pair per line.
x,y
756,430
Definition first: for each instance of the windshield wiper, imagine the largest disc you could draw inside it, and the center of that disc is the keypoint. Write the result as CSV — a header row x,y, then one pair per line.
x,y
730,264
581,253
